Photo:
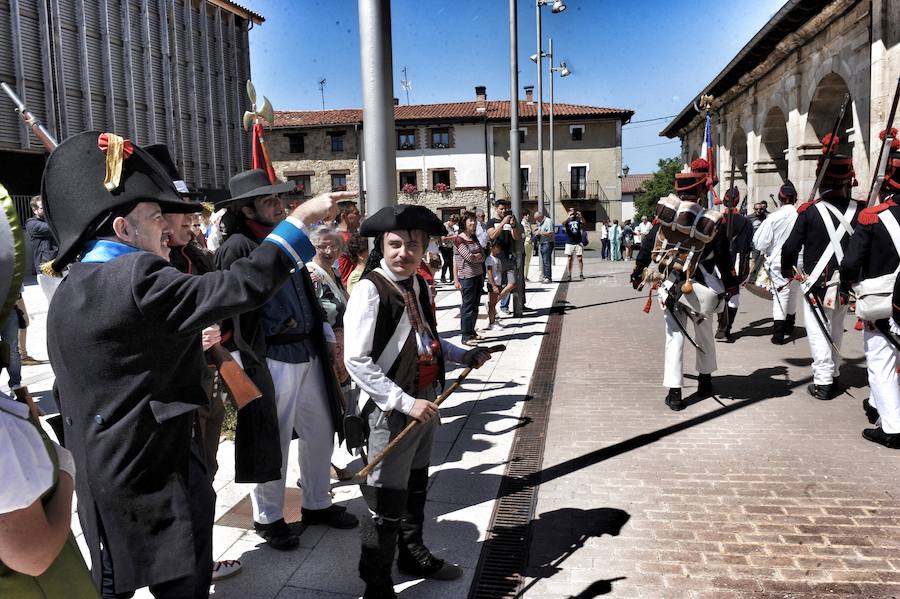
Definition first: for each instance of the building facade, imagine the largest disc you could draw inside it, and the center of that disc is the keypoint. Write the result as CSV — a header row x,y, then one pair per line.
x,y
455,156
777,98
154,71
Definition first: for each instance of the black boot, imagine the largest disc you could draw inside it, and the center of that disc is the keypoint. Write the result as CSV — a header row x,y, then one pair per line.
x,y
722,324
820,392
877,435
413,556
674,401
704,389
789,321
731,316
871,411
379,540
778,332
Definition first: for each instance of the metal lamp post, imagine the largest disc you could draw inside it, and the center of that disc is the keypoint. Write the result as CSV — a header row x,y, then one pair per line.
x,y
563,72
557,6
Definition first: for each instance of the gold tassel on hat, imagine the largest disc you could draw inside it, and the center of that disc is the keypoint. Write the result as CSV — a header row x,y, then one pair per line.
x,y
47,269
117,150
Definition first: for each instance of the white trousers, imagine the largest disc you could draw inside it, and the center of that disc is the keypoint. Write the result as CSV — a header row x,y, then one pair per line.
x,y
48,285
302,404
826,362
673,374
884,384
784,302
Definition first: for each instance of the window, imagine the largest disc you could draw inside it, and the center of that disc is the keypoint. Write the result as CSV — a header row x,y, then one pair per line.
x,y
295,143
408,178
440,177
577,132
578,180
406,139
440,138
337,141
304,185
523,181
446,213
522,134
338,181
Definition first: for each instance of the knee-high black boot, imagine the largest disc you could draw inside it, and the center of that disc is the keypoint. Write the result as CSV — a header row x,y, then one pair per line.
x,y
789,321
379,540
413,556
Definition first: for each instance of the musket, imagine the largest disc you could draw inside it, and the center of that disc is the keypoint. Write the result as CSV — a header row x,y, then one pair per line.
x,y
884,151
729,226
827,161
360,476
814,307
242,389
31,121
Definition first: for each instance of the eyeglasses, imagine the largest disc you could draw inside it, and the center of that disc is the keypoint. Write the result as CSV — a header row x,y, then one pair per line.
x,y
196,225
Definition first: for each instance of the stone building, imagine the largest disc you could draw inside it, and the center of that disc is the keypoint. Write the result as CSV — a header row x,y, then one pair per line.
x,y
776,99
159,71
456,155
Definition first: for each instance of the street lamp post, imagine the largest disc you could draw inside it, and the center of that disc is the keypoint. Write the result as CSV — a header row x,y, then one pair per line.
x,y
515,173
563,72
557,7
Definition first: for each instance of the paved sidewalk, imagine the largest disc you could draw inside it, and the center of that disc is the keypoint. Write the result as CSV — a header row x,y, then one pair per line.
x,y
760,492
473,442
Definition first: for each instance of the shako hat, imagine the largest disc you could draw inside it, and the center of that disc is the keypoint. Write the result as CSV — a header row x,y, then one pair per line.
x,y
252,184
402,217
160,153
840,167
93,176
731,197
891,183
787,193
693,183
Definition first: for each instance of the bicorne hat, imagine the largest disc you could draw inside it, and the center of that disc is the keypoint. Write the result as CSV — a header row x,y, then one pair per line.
x,y
160,153
252,184
93,176
402,217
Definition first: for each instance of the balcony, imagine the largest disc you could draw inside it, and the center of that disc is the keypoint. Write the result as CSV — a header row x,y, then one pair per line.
x,y
586,190
529,191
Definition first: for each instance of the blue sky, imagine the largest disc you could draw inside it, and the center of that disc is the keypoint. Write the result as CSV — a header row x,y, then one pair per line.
x,y
652,56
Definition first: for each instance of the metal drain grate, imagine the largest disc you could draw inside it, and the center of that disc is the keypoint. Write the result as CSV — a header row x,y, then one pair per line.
x,y
504,555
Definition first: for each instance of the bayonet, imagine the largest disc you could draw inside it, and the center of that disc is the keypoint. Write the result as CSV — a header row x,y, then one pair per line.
x,y
884,151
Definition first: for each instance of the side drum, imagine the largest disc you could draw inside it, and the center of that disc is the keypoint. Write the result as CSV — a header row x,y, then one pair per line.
x,y
688,213
706,225
666,210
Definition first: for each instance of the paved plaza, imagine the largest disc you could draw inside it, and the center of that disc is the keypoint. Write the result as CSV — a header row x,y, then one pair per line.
x,y
761,491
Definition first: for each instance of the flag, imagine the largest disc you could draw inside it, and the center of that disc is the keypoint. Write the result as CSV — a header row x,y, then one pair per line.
x,y
258,153
706,152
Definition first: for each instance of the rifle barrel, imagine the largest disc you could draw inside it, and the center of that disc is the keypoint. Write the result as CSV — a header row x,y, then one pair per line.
x,y
30,119
881,163
837,124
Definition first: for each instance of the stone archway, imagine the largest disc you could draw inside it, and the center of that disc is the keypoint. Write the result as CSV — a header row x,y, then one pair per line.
x,y
771,168
824,109
737,149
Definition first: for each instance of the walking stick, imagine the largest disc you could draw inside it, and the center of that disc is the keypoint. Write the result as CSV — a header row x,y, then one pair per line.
x,y
360,476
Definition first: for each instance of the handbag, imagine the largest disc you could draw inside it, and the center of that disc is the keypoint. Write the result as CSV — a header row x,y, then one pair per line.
x,y
873,296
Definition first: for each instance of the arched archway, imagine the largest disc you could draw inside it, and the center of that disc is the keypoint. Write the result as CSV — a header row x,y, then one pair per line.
x,y
771,168
824,108
737,151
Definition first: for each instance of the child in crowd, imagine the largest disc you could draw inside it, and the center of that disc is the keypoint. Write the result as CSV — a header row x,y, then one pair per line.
x,y
494,281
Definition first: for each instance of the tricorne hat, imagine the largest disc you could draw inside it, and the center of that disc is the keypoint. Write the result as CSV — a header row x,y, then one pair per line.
x,y
252,184
91,176
402,217
160,153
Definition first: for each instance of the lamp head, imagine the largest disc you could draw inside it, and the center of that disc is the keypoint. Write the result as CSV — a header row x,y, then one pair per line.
x,y
534,57
558,6
564,70
625,170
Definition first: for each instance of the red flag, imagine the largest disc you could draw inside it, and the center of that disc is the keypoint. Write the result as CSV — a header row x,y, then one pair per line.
x,y
259,153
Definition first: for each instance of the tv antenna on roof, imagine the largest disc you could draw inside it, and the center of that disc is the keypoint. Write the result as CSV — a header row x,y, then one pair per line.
x,y
322,89
406,83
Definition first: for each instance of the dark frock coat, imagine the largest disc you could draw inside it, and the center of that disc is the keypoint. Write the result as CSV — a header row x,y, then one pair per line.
x,y
124,341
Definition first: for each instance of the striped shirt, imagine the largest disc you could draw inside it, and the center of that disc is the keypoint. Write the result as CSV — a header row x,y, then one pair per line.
x,y
468,256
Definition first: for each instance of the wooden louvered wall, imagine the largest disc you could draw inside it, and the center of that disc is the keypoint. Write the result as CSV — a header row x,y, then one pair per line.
x,y
156,71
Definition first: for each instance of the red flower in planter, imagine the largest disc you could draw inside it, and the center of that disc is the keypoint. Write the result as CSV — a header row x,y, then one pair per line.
x,y
409,188
442,188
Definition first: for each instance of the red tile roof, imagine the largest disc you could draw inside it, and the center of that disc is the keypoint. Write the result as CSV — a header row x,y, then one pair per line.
x,y
632,183
453,111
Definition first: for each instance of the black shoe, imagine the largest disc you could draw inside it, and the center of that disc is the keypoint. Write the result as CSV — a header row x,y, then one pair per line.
x,y
876,435
704,389
674,401
434,568
871,411
789,321
820,392
334,516
778,333
279,535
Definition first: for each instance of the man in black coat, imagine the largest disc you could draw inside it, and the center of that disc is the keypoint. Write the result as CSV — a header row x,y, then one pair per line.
x,y
43,246
740,245
124,337
822,231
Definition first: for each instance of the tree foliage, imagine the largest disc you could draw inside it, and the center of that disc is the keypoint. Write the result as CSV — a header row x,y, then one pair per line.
x,y
661,185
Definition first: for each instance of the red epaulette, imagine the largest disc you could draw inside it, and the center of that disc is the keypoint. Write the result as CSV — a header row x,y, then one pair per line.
x,y
805,206
869,216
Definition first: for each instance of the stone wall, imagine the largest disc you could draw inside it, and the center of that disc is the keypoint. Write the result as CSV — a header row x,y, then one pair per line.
x,y
458,198
317,160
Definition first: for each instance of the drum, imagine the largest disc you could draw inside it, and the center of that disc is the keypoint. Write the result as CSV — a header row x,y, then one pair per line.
x,y
706,225
666,210
687,215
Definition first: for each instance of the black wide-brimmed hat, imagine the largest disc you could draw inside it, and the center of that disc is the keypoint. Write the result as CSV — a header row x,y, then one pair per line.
x,y
252,184
160,153
92,176
402,217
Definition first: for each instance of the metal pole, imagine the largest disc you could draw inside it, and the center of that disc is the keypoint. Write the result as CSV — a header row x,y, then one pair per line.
x,y
552,164
378,104
515,174
540,108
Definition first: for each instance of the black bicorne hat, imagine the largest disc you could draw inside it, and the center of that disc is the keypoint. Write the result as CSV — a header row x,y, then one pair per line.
x,y
160,153
93,175
402,217
252,184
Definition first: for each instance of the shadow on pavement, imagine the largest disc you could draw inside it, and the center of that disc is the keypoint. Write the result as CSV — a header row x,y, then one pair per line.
x,y
570,307
597,588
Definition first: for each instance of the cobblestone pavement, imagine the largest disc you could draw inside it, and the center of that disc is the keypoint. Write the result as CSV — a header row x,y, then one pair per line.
x,y
759,492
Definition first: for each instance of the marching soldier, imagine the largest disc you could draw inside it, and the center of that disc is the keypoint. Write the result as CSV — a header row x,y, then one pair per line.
x,y
873,257
823,230
675,262
394,355
768,240
123,334
740,244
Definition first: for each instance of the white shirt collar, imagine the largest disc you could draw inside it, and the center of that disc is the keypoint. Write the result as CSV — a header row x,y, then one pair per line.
x,y
389,272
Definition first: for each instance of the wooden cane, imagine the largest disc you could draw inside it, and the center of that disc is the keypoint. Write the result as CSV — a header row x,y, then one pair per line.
x,y
362,474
